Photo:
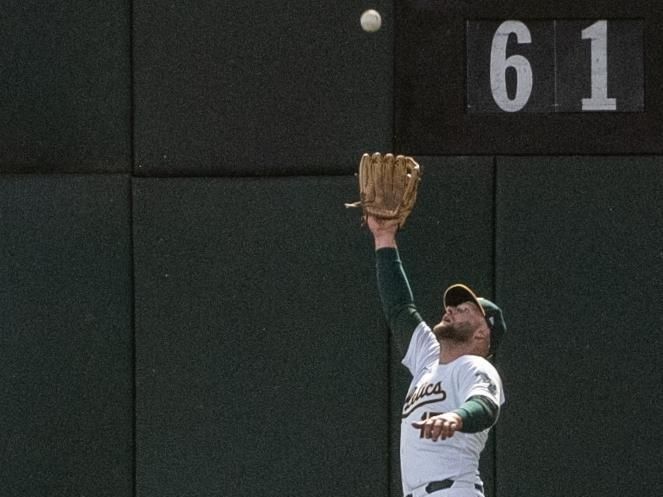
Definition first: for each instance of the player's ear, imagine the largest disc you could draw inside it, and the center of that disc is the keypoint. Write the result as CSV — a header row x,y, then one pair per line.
x,y
483,333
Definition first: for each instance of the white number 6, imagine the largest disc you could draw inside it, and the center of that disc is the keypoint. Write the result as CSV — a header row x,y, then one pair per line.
x,y
499,63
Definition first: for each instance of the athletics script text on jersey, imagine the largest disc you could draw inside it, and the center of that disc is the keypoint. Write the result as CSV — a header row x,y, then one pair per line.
x,y
425,393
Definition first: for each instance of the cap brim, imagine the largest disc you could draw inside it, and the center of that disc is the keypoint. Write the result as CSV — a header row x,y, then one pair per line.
x,y
459,293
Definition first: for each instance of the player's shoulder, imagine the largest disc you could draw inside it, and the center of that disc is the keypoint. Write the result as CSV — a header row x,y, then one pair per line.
x,y
422,351
476,363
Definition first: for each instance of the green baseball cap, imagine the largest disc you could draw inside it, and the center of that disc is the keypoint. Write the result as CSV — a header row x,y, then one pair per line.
x,y
459,293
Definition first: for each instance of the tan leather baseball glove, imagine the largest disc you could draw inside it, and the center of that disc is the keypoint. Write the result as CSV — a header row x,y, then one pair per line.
x,y
387,186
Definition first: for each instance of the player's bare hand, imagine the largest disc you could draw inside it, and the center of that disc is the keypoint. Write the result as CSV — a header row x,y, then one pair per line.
x,y
440,427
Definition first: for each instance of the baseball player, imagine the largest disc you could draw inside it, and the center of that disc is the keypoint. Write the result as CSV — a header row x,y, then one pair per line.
x,y
456,394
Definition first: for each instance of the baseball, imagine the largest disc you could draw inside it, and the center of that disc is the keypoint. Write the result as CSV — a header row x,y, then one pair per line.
x,y
371,21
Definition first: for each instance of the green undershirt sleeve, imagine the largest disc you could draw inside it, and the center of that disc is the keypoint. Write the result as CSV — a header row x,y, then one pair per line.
x,y
396,296
478,413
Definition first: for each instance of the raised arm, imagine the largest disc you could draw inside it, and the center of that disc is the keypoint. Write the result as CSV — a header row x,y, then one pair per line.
x,y
395,293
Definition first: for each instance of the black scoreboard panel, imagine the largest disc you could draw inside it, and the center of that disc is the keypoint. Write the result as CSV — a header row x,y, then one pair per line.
x,y
554,66
519,77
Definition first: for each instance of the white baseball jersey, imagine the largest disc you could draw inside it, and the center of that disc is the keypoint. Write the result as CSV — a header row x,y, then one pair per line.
x,y
437,388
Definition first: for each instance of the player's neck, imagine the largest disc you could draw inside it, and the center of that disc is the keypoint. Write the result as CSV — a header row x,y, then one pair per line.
x,y
450,350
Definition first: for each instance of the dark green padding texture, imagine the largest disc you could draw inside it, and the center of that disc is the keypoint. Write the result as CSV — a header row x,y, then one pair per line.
x,y
579,265
66,371
259,88
65,98
262,365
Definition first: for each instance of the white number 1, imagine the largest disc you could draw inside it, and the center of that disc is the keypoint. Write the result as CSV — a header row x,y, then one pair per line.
x,y
598,100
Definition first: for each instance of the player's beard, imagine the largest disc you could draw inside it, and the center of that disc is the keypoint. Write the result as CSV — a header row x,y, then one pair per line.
x,y
457,332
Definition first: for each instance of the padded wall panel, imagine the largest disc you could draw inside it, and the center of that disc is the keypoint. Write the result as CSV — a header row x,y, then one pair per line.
x,y
448,239
579,265
66,370
66,86
261,368
245,88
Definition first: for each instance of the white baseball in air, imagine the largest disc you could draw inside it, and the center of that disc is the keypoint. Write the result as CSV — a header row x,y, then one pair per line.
x,y
371,21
